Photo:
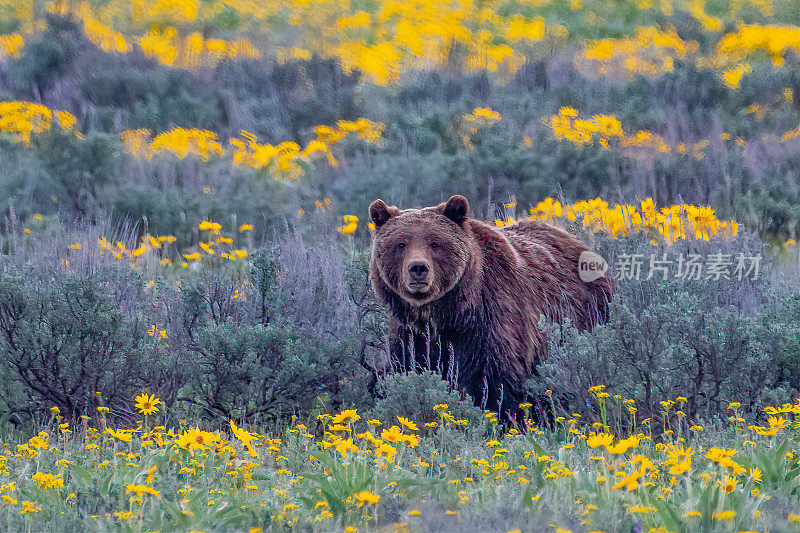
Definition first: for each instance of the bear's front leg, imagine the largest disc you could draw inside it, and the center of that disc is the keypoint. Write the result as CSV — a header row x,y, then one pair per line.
x,y
404,344
414,348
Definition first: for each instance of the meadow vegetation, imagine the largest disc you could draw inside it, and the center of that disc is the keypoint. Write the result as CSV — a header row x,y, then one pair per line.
x,y
188,339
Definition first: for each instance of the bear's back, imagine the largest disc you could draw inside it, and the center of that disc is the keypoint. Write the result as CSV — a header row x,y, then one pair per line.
x,y
550,256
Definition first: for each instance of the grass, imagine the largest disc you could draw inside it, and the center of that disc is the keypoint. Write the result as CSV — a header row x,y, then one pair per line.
x,y
341,472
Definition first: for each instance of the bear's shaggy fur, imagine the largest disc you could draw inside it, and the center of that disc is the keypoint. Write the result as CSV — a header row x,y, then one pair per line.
x,y
466,297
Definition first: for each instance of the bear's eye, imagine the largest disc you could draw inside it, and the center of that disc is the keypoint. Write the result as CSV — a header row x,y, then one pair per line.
x,y
434,245
401,245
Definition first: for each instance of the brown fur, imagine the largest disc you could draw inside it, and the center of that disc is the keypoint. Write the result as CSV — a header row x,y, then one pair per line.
x,y
475,317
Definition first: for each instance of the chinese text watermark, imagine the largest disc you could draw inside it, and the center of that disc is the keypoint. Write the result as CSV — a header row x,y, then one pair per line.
x,y
715,266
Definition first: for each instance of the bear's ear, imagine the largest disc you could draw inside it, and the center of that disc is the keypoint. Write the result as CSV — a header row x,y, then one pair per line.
x,y
379,212
456,209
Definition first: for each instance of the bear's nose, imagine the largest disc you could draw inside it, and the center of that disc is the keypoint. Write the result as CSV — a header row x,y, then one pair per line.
x,y
418,271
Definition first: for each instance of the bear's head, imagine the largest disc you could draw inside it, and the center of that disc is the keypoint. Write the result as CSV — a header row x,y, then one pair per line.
x,y
421,254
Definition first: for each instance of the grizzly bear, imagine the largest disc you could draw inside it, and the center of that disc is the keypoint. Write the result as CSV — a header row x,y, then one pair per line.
x,y
466,297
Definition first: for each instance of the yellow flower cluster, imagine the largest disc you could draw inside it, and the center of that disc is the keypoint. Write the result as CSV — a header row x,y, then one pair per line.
x,y
775,426
618,462
775,41
566,125
671,223
22,119
680,221
479,117
147,243
651,51
98,33
381,61
723,457
698,10
200,51
350,224
607,130
179,141
387,37
284,55
158,43
162,42
152,251
11,45
791,134
177,10
141,489
48,481
733,76
137,143
484,116
195,439
287,159
195,50
220,246
401,35
520,28
605,440
359,20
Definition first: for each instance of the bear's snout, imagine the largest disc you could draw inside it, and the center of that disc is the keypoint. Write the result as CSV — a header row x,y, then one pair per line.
x,y
418,272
